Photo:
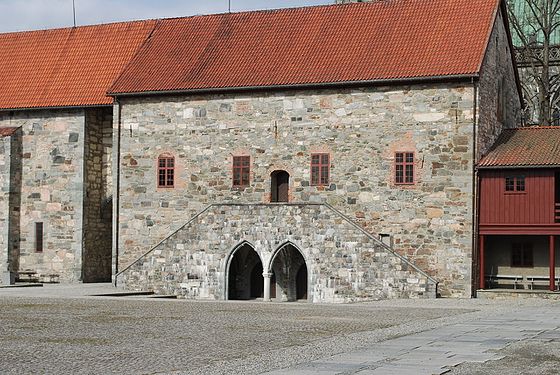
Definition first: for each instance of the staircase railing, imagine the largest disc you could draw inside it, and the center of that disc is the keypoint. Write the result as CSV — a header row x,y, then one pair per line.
x,y
337,212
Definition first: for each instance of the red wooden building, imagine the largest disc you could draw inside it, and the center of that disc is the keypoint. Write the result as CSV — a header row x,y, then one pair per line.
x,y
519,210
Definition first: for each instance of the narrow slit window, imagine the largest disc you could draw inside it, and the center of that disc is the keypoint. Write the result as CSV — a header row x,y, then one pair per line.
x,y
166,172
320,169
404,168
241,170
39,237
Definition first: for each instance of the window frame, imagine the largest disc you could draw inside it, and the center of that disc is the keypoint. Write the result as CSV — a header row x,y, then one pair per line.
x,y
518,184
39,237
525,257
242,171
322,167
168,170
404,163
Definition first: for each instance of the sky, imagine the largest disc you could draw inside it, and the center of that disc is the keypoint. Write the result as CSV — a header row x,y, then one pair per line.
x,y
19,15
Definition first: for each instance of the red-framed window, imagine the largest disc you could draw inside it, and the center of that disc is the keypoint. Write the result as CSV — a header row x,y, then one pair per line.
x,y
522,255
515,184
241,171
404,168
166,171
320,169
39,237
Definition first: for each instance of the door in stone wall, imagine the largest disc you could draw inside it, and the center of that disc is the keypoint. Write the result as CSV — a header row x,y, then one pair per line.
x,y
279,186
290,271
245,279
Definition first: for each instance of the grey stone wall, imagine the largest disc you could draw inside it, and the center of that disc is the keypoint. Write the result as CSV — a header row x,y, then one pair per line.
x,y
497,69
344,264
4,199
97,201
360,128
52,189
10,204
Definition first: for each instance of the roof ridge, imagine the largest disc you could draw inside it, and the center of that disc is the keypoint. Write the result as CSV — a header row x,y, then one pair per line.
x,y
256,11
534,127
70,28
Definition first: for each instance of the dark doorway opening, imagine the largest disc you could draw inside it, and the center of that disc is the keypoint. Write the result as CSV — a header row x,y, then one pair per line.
x,y
290,275
279,186
301,282
257,282
245,280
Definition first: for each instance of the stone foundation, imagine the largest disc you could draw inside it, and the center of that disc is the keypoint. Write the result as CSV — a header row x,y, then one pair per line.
x,y
344,263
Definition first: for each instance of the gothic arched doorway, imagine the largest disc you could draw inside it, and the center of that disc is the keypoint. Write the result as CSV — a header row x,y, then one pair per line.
x,y
279,186
245,280
290,273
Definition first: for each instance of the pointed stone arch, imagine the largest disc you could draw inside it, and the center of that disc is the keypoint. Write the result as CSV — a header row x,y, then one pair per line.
x,y
289,269
243,273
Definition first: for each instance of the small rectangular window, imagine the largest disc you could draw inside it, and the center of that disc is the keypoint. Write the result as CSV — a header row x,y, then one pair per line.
x,y
241,170
522,255
515,183
166,171
320,169
39,237
404,168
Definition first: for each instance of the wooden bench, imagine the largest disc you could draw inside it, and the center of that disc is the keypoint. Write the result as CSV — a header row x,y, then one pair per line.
x,y
539,280
543,280
27,276
511,279
51,278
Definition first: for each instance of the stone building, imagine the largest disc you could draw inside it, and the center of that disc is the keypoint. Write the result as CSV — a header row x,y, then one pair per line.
x,y
323,153
52,90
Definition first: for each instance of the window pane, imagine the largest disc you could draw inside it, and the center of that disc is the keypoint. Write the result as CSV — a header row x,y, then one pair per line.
x,y
520,184
170,177
314,175
399,175
161,162
409,178
325,174
245,179
170,162
409,157
315,158
325,159
509,184
399,158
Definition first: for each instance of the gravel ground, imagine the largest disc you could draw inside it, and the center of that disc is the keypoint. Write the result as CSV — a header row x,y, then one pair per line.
x,y
53,331
132,336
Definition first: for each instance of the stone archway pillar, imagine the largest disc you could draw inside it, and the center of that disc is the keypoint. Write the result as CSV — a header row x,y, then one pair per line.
x,y
266,292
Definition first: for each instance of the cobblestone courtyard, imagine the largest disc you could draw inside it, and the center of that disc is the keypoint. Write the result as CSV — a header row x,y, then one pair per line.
x,y
50,330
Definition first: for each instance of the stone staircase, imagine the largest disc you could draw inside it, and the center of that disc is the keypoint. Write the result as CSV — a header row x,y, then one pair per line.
x,y
345,263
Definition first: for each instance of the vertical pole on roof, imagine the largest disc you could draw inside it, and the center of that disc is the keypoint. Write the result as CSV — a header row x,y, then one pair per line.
x,y
229,6
552,262
74,11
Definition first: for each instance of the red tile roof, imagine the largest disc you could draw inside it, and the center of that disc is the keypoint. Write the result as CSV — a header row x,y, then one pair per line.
x,y
532,146
6,132
383,40
66,67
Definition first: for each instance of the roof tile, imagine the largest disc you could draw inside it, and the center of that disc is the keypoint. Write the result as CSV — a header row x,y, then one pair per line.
x,y
520,147
66,67
391,39
8,131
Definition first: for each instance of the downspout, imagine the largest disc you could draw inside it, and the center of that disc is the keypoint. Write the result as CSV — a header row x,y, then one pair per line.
x,y
475,200
116,200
